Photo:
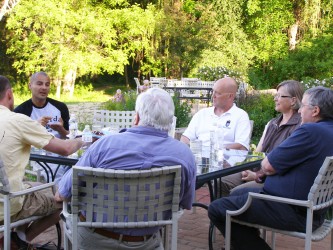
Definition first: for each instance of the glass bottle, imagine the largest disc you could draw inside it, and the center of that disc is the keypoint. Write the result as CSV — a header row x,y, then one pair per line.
x,y
73,126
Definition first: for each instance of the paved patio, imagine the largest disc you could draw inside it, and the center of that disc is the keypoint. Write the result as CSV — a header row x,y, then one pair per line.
x,y
193,232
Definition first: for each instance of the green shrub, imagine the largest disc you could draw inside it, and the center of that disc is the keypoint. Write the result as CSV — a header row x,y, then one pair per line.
x,y
310,82
182,112
127,105
214,73
182,109
261,109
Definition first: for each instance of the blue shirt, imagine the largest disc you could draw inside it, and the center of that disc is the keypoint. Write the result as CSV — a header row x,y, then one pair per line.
x,y
139,148
298,159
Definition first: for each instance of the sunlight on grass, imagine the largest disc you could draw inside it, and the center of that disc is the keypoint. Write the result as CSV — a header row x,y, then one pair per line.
x,y
81,94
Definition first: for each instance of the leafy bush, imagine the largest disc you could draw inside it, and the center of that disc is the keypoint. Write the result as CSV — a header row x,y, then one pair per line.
x,y
309,83
214,73
182,109
182,112
127,105
261,109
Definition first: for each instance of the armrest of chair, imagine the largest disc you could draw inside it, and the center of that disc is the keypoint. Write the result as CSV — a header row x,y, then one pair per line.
x,y
269,198
65,213
32,189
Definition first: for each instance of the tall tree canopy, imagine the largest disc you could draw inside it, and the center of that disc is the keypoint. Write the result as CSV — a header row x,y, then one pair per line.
x,y
258,38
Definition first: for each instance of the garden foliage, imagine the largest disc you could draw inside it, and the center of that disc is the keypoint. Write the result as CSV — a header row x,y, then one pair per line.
x,y
182,109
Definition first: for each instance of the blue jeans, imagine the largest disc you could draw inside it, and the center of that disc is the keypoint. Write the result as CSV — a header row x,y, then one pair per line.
x,y
267,213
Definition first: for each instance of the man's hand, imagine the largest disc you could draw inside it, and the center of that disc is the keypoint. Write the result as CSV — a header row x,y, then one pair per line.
x,y
260,176
59,198
44,120
58,126
248,175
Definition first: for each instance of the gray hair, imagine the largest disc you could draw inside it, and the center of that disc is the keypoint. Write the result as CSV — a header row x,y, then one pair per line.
x,y
323,98
155,108
294,89
4,85
34,76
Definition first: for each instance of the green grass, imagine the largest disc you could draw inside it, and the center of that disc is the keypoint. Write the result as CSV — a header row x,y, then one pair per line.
x,y
81,94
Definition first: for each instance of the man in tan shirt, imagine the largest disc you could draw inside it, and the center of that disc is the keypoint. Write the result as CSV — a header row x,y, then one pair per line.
x,y
17,133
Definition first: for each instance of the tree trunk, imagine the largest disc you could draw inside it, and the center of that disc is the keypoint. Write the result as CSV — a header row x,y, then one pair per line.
x,y
58,84
126,76
69,82
293,36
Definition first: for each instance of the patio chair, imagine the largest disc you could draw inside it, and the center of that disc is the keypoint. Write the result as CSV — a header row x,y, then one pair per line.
x,y
319,197
112,118
137,85
157,82
172,131
140,198
6,196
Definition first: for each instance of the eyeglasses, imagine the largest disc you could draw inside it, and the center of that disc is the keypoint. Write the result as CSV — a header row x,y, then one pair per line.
x,y
282,96
303,105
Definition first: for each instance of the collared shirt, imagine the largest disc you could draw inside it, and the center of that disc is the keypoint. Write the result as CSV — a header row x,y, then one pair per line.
x,y
235,123
17,133
139,148
276,134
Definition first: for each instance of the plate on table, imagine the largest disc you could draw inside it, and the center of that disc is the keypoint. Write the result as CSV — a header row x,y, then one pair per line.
x,y
110,130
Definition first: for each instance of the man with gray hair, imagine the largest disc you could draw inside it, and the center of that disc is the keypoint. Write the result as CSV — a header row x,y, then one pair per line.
x,y
143,146
291,169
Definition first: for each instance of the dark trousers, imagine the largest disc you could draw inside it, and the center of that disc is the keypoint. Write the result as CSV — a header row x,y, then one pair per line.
x,y
267,213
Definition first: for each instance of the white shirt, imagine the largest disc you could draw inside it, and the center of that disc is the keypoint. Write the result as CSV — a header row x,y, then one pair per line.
x,y
235,123
48,110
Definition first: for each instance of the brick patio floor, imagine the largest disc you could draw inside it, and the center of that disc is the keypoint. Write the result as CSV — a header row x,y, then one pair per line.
x,y
193,232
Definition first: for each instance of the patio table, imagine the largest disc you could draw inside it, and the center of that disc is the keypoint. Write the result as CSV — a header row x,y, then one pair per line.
x,y
205,97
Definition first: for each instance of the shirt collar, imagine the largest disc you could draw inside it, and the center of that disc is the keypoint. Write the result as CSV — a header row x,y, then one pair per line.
x,y
145,130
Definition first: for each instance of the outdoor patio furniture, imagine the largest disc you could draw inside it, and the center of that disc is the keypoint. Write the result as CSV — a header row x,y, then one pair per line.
x,y
141,199
114,118
7,196
319,197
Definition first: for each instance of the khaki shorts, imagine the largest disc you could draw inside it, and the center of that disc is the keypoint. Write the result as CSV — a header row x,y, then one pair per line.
x,y
37,203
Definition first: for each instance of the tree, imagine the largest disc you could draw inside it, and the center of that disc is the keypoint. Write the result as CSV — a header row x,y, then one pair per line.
x,y
181,36
7,6
70,39
232,47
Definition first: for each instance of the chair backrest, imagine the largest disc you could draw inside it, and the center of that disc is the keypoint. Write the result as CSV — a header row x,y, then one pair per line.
x,y
126,198
112,118
252,124
137,82
5,187
191,82
321,192
172,131
206,84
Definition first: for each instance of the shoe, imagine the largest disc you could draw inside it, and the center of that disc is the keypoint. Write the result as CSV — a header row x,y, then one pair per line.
x,y
223,248
13,245
19,244
47,246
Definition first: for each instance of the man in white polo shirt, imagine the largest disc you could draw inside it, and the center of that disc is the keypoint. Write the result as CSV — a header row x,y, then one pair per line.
x,y
224,113
234,121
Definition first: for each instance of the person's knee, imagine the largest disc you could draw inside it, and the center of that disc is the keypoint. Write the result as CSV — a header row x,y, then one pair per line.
x,y
216,210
